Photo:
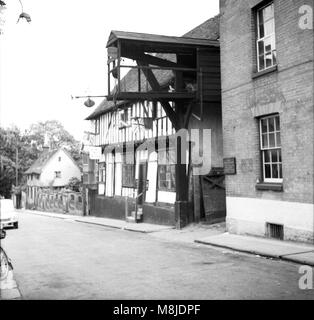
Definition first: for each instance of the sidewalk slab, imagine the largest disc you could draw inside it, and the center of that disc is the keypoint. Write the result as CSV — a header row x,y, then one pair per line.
x,y
258,246
9,289
302,258
106,222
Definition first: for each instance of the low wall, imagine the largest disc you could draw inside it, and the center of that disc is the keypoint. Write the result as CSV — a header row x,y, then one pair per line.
x,y
158,214
60,202
109,207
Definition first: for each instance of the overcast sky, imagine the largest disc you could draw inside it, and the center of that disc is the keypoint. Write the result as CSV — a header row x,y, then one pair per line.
x,y
62,52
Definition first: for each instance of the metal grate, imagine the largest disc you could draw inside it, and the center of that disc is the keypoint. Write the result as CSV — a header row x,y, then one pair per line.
x,y
274,231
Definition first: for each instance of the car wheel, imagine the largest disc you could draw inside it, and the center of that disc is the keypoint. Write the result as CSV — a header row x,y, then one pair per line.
x,y
15,225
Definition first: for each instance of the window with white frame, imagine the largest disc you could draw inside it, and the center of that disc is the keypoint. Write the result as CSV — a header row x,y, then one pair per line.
x,y
266,42
57,174
166,170
102,172
271,148
128,172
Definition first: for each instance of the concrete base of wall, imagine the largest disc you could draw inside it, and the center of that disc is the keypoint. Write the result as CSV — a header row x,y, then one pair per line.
x,y
110,207
158,215
248,216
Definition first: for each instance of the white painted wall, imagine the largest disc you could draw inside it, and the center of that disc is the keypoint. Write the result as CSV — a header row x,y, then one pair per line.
x,y
292,215
66,166
152,178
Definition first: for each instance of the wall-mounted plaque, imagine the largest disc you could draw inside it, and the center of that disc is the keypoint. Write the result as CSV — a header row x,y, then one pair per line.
x,y
230,166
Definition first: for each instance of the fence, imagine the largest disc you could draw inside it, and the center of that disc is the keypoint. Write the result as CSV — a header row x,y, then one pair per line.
x,y
67,202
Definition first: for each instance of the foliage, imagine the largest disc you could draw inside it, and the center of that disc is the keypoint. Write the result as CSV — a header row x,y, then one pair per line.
x,y
75,184
29,145
56,137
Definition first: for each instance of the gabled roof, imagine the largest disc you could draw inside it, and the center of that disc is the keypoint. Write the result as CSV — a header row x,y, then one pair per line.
x,y
104,107
40,163
38,166
159,41
208,30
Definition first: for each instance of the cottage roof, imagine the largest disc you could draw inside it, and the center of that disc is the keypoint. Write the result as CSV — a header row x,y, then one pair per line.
x,y
40,163
208,30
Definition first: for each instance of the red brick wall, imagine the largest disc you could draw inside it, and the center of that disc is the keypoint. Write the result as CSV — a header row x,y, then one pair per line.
x,y
289,91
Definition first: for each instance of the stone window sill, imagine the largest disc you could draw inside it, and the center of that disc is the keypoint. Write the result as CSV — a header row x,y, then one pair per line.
x,y
266,186
267,71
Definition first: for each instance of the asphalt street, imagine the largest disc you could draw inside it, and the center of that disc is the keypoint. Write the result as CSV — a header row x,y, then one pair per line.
x,y
63,259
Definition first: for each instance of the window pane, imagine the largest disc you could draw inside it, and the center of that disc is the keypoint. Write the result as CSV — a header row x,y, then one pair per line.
x,y
264,125
269,61
272,140
172,156
268,44
173,175
261,31
264,141
271,124
275,171
267,156
260,17
274,156
260,47
277,123
162,157
279,155
267,171
269,27
268,12
261,63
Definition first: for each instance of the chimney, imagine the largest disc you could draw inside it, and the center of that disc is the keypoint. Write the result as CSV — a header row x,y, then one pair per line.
x,y
46,144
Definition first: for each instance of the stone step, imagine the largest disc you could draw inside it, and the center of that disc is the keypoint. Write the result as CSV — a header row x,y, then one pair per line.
x,y
132,219
139,214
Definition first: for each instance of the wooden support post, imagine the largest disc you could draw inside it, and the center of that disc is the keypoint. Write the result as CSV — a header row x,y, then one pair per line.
x,y
126,208
182,182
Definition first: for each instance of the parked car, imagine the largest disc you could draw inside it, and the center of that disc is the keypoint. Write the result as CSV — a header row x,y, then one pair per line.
x,y
8,214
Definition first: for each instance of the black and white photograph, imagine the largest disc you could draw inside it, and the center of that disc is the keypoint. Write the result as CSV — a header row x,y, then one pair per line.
x,y
156,152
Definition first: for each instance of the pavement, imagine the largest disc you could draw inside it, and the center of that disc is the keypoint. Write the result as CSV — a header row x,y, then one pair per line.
x,y
285,250
9,289
111,223
213,235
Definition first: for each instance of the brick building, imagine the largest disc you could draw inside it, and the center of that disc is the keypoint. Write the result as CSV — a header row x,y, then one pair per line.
x,y
267,102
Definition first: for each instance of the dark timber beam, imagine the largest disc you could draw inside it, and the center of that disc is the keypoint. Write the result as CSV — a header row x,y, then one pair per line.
x,y
156,87
149,59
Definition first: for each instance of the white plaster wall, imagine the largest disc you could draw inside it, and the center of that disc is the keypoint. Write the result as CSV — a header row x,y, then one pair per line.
x,y
101,188
152,178
66,166
292,215
118,179
166,197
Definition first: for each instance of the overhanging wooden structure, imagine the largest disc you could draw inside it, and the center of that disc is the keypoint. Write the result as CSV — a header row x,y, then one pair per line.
x,y
182,70
170,68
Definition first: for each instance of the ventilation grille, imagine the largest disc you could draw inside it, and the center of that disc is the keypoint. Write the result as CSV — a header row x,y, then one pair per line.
x,y
274,231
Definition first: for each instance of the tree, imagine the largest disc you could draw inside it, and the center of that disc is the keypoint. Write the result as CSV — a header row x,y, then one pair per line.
x,y
23,15
14,146
56,136
75,184
29,145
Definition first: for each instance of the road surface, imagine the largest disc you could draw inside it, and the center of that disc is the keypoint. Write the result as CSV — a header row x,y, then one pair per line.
x,y
62,259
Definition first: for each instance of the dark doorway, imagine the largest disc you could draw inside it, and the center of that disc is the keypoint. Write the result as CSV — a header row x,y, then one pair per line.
x,y
142,177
